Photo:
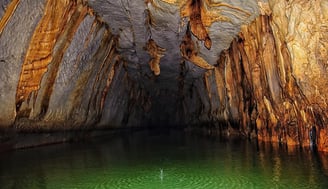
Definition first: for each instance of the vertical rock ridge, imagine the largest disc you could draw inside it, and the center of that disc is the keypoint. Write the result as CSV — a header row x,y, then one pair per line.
x,y
76,16
39,53
108,58
44,99
9,12
14,41
265,92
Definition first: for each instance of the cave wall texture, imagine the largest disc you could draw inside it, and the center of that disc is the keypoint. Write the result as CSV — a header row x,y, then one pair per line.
x,y
272,80
257,68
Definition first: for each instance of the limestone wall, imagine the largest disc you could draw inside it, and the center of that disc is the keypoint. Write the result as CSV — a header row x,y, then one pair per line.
x,y
272,81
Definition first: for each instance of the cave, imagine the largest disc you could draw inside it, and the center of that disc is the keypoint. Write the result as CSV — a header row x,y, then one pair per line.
x,y
186,77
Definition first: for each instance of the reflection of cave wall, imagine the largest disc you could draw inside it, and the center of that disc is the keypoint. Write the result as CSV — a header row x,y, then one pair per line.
x,y
73,69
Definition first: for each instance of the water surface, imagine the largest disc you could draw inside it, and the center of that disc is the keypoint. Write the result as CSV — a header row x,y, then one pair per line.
x,y
162,159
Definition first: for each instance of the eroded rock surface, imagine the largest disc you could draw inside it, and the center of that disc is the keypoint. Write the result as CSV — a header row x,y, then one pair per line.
x,y
273,75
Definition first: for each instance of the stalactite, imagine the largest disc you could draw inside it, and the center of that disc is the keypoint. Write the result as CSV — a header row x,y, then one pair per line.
x,y
193,10
190,52
156,52
149,22
201,16
260,82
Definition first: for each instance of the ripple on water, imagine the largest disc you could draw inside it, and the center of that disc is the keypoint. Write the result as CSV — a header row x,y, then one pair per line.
x,y
197,166
173,178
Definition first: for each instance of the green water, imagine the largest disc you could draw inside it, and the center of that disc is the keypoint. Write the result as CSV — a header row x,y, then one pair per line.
x,y
162,159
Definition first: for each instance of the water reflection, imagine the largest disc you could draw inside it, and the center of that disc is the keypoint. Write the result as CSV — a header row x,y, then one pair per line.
x,y
323,159
163,159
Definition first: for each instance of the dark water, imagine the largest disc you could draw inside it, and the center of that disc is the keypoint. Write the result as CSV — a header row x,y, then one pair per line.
x,y
162,159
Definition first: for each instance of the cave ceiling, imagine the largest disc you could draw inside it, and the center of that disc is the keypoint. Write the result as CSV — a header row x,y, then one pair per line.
x,y
153,30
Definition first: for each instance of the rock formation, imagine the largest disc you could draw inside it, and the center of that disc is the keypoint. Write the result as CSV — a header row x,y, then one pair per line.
x,y
267,89
190,52
156,53
256,68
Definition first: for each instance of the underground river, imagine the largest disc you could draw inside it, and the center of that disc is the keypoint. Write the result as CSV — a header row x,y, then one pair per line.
x,y
163,158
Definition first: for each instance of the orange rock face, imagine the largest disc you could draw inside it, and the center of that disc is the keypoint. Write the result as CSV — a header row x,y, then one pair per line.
x,y
156,52
194,11
262,78
10,10
40,51
48,61
189,52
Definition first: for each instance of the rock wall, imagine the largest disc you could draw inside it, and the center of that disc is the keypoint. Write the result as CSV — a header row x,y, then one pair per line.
x,y
58,67
271,83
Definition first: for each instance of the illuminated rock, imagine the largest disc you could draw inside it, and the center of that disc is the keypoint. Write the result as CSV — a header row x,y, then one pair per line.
x,y
255,68
274,94
156,52
190,52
